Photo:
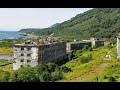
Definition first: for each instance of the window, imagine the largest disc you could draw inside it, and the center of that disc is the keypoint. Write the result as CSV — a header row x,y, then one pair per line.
x,y
22,54
21,66
22,60
28,54
28,61
28,49
22,48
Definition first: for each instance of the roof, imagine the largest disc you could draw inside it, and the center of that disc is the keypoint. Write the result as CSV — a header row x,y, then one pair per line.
x,y
78,42
36,45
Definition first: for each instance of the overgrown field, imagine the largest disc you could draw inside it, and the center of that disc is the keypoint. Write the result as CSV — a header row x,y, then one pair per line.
x,y
87,61
5,50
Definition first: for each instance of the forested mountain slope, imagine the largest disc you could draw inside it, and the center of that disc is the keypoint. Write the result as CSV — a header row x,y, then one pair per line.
x,y
97,22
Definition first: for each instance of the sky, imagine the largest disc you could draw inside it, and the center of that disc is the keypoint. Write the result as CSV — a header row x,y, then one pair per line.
x,y
14,19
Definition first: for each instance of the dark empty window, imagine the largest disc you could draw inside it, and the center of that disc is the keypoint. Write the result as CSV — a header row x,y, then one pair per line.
x,y
22,48
21,66
28,49
28,61
22,54
28,54
22,60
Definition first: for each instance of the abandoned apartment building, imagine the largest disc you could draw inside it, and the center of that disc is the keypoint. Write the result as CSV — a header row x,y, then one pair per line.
x,y
118,46
37,51
77,45
95,42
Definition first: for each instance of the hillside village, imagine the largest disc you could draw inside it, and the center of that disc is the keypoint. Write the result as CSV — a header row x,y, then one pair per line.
x,y
33,52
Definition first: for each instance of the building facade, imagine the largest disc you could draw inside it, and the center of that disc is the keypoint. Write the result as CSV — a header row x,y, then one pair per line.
x,y
77,45
118,46
33,53
95,42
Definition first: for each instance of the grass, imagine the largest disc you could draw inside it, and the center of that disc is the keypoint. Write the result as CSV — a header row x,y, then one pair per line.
x,y
111,71
97,58
5,62
8,68
4,50
6,65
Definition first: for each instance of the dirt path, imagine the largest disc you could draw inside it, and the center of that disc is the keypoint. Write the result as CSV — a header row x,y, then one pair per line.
x,y
97,70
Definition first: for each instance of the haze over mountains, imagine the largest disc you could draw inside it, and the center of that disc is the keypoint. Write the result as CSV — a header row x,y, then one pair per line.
x,y
97,22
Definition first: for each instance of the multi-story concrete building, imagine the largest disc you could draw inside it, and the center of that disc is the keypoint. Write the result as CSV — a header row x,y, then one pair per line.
x,y
77,45
34,52
118,46
95,42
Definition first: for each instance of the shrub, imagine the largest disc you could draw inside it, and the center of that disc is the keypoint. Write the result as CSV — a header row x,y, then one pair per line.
x,y
66,69
4,76
24,74
111,79
45,77
57,75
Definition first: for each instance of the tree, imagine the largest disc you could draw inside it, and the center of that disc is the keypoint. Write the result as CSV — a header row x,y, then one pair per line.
x,y
24,74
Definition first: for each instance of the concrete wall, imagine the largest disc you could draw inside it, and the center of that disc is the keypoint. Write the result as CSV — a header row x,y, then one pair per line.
x,y
17,57
99,43
118,48
38,54
77,45
52,52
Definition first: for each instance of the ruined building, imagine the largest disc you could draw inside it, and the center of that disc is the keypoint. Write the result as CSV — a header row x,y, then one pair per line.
x,y
33,52
77,45
95,42
118,46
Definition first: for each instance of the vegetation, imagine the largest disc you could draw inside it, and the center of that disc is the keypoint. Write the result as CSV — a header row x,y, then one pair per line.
x,y
97,22
5,50
83,61
41,73
5,62
87,61
8,43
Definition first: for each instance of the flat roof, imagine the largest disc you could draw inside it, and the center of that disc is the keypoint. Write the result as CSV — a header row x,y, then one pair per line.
x,y
78,42
36,45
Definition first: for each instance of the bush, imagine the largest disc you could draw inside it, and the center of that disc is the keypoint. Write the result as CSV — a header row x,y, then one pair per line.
x,y
85,59
48,72
85,48
4,76
24,74
66,69
57,75
45,77
51,67
40,68
111,79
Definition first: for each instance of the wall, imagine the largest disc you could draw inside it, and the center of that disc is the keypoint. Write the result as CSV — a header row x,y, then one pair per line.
x,y
52,52
118,48
17,56
77,46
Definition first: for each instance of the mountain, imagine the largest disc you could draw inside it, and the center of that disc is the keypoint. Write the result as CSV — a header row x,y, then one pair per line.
x,y
29,30
54,25
97,22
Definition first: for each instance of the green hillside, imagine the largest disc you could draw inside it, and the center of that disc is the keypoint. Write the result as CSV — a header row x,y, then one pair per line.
x,y
97,22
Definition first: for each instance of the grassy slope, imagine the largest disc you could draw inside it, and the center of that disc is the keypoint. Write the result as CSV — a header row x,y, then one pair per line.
x,y
4,50
80,69
6,65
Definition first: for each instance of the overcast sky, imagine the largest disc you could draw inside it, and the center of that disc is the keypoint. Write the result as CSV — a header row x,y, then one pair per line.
x,y
19,18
